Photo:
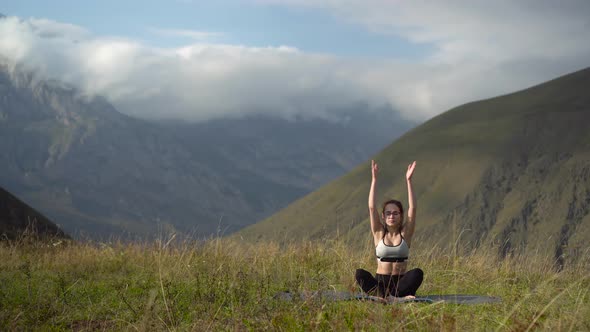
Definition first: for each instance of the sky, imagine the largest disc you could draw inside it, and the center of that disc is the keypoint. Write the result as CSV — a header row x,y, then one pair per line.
x,y
200,60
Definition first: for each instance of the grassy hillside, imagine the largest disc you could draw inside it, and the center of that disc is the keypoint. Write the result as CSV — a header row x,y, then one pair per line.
x,y
208,287
514,170
18,220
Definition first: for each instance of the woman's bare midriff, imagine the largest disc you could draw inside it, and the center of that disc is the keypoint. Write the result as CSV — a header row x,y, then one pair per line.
x,y
392,268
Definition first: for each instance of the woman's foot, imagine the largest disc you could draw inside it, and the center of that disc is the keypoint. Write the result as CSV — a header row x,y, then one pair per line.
x,y
392,298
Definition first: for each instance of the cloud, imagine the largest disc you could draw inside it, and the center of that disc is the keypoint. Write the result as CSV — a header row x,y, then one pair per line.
x,y
488,30
191,34
482,49
204,81
196,82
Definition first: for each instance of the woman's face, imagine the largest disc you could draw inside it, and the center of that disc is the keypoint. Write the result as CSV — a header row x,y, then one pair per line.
x,y
392,215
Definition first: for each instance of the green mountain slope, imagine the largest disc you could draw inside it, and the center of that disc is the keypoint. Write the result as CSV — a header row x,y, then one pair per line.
x,y
18,219
514,170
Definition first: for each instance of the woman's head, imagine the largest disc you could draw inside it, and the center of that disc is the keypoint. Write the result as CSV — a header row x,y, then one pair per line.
x,y
393,213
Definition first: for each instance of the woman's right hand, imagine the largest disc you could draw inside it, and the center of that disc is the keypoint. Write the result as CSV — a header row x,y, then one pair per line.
x,y
374,169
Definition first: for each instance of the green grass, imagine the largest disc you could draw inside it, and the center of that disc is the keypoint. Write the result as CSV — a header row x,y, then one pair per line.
x,y
224,284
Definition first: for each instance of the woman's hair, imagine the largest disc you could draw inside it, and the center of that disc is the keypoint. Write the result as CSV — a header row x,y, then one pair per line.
x,y
398,204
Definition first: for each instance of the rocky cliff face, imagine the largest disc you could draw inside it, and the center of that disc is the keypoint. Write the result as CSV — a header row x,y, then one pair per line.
x,y
98,172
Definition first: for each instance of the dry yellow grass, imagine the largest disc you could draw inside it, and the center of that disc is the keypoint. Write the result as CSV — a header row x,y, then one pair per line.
x,y
226,284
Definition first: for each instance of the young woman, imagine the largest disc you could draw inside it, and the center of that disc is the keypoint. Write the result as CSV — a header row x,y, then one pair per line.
x,y
393,239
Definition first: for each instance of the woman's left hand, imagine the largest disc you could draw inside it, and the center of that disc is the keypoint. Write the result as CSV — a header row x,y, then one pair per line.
x,y
410,171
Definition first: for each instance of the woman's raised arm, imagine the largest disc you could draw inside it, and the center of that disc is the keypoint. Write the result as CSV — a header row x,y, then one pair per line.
x,y
376,226
410,225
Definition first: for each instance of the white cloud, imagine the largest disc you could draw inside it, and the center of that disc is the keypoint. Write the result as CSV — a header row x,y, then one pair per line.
x,y
195,82
488,30
51,29
191,34
482,49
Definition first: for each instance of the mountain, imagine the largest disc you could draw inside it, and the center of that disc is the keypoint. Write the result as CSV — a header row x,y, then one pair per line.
x,y
512,170
18,219
98,172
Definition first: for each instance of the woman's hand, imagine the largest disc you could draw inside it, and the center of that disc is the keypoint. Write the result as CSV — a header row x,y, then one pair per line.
x,y
374,169
410,170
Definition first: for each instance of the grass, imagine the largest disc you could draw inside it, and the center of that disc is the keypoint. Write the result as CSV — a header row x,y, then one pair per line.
x,y
225,284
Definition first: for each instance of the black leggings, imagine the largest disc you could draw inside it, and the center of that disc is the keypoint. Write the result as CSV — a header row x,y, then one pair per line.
x,y
385,284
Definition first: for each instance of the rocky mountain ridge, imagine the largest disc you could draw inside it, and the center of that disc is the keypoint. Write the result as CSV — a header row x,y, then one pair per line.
x,y
98,172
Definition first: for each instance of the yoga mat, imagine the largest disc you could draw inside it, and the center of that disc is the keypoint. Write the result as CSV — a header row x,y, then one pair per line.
x,y
331,295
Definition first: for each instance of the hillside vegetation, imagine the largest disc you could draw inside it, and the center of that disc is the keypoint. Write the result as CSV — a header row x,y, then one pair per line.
x,y
19,220
512,170
225,284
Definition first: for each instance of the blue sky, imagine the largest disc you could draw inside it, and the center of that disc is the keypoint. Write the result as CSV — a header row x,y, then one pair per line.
x,y
231,22
198,60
